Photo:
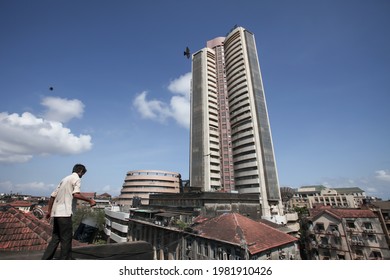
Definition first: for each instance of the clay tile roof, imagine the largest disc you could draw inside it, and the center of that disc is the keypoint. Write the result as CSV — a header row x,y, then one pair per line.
x,y
353,213
342,213
21,203
21,231
237,229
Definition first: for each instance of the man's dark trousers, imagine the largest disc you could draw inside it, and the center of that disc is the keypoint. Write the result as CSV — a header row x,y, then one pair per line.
x,y
62,233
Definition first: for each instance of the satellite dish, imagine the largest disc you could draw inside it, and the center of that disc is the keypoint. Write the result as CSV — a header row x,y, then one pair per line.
x,y
38,212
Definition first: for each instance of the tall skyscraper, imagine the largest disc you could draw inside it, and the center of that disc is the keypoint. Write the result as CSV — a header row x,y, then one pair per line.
x,y
230,144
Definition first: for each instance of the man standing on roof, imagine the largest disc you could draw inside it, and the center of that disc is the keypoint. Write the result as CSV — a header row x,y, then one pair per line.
x,y
61,204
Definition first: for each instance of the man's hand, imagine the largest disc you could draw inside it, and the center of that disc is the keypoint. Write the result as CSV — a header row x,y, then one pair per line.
x,y
48,215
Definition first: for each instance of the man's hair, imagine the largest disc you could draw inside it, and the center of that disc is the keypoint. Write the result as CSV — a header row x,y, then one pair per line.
x,y
79,168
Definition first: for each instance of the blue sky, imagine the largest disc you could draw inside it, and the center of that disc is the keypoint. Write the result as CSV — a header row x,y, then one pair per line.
x,y
120,98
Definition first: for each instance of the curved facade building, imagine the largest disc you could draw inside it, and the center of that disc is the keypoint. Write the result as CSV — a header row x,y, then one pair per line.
x,y
141,183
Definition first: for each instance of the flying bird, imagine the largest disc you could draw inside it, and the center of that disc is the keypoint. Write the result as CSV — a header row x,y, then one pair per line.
x,y
51,88
187,52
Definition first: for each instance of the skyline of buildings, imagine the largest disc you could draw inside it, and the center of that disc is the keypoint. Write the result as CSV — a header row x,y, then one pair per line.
x,y
231,145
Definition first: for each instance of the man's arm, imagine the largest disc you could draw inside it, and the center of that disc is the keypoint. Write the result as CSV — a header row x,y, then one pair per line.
x,y
81,197
50,205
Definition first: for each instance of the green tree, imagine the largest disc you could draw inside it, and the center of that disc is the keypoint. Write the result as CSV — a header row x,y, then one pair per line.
x,y
97,215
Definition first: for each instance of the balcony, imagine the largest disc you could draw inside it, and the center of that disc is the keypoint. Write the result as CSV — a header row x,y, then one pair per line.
x,y
107,231
357,243
117,238
119,227
366,230
116,214
292,216
323,246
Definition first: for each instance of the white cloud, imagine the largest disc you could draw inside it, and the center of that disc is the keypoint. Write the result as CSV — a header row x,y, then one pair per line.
x,y
153,109
62,110
5,187
32,188
344,183
109,189
371,190
374,184
383,175
181,85
178,108
24,136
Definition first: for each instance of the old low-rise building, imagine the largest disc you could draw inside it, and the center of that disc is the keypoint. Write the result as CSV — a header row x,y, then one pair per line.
x,y
348,234
229,236
382,210
309,196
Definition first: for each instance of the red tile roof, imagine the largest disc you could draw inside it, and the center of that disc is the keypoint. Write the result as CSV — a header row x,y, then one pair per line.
x,y
21,231
343,213
21,203
237,229
104,195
